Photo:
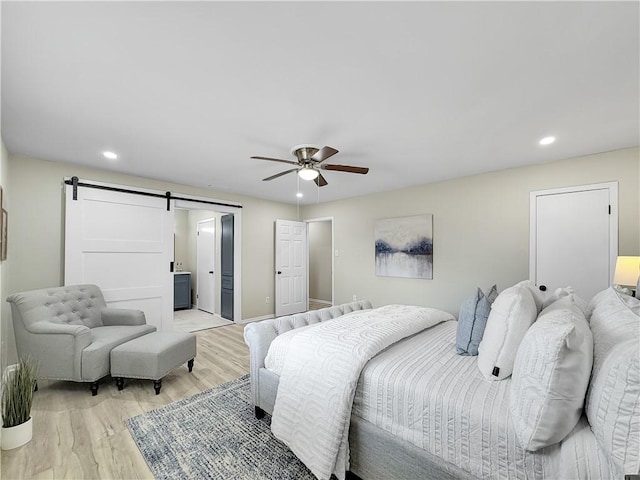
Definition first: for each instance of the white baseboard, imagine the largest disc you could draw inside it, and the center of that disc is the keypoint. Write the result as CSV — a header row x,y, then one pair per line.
x,y
256,319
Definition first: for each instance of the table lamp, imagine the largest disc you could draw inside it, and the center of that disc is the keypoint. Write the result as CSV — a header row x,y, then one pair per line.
x,y
627,273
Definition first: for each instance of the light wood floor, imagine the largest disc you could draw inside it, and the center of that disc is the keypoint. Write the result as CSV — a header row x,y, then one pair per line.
x,y
313,305
77,436
193,320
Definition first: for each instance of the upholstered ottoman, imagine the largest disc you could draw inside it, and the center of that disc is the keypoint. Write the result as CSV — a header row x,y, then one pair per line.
x,y
152,356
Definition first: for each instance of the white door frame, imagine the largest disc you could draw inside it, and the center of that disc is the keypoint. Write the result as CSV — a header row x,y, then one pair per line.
x,y
225,207
333,256
199,264
613,221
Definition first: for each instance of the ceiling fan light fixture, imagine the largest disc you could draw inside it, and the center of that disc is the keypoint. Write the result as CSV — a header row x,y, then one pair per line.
x,y
308,173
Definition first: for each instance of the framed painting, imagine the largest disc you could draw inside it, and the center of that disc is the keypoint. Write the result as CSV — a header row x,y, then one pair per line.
x,y
404,247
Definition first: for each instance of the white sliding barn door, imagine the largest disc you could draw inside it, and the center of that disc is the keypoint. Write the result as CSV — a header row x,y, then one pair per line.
x,y
291,267
123,243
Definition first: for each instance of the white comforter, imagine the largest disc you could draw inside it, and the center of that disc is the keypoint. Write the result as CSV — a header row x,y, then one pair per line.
x,y
319,377
422,392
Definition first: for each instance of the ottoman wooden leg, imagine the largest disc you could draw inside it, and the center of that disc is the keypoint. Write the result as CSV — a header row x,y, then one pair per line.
x,y
157,384
190,365
94,388
120,383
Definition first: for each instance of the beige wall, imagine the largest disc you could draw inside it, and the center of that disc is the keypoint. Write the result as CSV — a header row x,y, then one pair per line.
x,y
481,228
6,329
320,260
36,249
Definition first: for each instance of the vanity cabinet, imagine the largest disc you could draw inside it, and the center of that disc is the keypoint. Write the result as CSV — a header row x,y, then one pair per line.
x,y
181,290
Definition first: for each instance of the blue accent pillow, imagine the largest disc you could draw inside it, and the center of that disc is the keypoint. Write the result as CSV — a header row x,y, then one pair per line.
x,y
472,321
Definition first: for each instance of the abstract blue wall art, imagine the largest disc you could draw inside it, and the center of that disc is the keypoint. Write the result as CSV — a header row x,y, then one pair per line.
x,y
404,247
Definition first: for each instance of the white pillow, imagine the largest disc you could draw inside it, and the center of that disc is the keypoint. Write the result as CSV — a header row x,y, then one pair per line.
x,y
546,298
559,293
541,298
551,374
613,399
511,315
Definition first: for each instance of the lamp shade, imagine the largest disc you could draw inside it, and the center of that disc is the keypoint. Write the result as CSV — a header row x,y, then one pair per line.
x,y
627,271
308,173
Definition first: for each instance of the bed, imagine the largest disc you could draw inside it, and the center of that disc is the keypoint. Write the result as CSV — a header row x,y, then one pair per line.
x,y
421,411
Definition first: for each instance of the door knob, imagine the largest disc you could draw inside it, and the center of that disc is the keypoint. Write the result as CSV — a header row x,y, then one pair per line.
x,y
279,272
210,271
543,288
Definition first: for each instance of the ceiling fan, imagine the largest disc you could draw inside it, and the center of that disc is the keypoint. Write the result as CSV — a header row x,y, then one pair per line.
x,y
308,165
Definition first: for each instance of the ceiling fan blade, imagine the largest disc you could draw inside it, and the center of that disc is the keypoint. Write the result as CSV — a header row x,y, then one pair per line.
x,y
320,181
276,160
346,168
324,153
279,174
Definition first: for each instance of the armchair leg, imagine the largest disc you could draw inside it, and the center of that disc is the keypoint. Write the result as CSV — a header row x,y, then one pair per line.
x,y
35,386
120,383
157,384
94,388
259,413
190,365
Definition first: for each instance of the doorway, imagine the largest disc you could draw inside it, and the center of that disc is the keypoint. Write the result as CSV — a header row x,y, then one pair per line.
x,y
320,239
198,253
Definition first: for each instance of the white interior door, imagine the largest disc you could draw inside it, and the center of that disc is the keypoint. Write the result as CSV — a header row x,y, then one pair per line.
x,y
574,238
123,243
291,267
205,260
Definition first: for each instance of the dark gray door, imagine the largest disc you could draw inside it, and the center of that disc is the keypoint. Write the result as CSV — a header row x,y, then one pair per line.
x,y
226,267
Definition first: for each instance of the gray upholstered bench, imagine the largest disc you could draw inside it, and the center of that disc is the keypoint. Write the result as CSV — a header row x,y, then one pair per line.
x,y
152,356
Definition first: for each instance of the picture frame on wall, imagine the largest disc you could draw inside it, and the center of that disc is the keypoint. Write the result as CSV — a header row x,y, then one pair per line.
x,y
404,247
3,234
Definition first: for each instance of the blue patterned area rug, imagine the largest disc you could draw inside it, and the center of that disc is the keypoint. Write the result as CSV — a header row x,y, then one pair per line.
x,y
214,434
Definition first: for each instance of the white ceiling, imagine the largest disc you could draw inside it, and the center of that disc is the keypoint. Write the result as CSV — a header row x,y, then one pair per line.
x,y
418,91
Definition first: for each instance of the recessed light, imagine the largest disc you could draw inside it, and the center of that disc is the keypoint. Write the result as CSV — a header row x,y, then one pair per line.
x,y
547,140
110,155
299,195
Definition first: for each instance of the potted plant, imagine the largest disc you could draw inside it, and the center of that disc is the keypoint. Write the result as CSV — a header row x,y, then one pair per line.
x,y
17,398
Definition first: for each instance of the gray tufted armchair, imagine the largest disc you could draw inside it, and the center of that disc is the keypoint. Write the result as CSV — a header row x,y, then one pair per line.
x,y
70,331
